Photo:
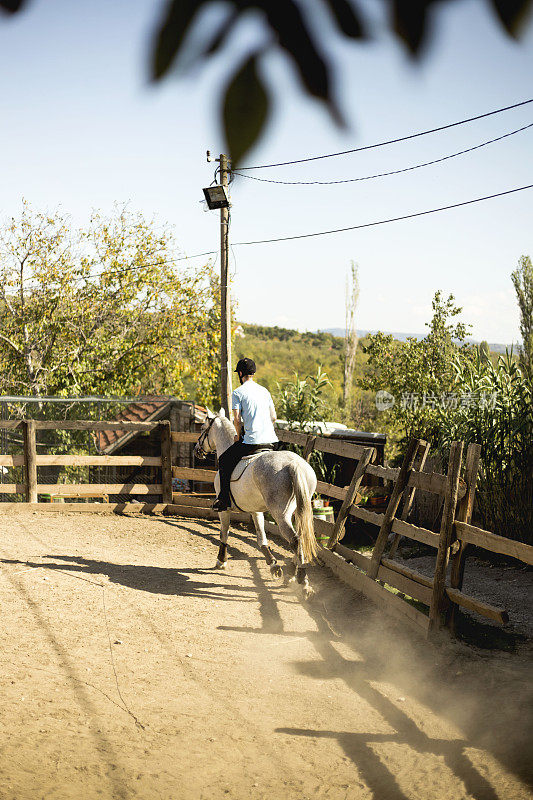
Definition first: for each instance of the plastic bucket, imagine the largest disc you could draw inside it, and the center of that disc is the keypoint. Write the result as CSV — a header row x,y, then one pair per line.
x,y
325,513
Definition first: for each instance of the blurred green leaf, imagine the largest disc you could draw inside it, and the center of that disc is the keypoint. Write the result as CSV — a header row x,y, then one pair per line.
x,y
246,107
12,5
172,33
410,21
347,18
294,35
512,13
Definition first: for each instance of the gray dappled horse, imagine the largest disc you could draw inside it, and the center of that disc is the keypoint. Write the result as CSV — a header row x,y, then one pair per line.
x,y
279,482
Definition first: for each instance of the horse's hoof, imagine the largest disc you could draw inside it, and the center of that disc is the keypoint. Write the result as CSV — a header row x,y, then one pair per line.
x,y
276,571
303,591
220,564
289,573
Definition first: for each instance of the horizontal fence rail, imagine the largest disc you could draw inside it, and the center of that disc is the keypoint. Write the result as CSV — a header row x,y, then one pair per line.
x,y
84,489
80,425
31,461
83,461
184,436
495,544
322,443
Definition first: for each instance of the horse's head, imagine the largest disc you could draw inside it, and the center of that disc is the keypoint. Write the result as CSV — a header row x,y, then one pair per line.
x,y
206,443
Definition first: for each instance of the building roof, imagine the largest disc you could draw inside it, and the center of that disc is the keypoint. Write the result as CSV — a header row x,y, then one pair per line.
x,y
149,410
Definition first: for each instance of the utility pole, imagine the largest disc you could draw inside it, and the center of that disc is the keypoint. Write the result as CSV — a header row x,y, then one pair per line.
x,y
225,299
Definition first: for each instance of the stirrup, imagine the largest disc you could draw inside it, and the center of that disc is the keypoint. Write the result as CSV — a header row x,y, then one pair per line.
x,y
221,505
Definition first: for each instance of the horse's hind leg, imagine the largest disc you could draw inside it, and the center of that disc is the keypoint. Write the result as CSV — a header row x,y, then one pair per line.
x,y
262,542
222,557
299,571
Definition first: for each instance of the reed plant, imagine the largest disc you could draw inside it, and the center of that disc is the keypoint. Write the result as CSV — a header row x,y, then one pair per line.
x,y
499,416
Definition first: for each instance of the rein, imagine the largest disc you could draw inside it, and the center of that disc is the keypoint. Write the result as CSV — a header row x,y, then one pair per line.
x,y
202,439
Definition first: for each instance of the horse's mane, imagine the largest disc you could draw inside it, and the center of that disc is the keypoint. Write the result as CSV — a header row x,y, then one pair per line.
x,y
228,425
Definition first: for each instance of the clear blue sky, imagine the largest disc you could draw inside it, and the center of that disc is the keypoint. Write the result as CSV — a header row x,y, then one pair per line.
x,y
83,128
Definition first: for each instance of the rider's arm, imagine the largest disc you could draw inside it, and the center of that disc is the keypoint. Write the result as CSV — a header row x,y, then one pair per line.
x,y
238,423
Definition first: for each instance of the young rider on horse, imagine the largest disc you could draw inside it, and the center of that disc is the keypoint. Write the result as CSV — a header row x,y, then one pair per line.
x,y
253,417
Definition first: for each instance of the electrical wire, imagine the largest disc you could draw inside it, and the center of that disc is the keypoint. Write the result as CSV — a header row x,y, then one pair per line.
x,y
142,266
391,141
385,174
136,266
385,221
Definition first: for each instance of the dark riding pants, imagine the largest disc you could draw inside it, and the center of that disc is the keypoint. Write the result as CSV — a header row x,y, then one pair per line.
x,y
229,460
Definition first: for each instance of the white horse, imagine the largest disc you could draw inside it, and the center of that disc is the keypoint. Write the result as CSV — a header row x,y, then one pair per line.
x,y
279,482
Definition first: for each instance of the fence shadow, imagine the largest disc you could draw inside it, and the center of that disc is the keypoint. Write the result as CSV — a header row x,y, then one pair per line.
x,y
374,662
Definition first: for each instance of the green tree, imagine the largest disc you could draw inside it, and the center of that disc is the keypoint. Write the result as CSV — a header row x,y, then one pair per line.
x,y
103,310
522,279
417,373
301,402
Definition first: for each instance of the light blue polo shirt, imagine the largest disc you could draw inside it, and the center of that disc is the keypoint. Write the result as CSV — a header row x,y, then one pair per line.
x,y
255,405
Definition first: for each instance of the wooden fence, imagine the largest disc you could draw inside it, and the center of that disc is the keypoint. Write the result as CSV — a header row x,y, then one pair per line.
x,y
372,575
30,460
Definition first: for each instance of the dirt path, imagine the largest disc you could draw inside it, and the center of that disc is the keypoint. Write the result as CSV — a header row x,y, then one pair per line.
x,y
131,669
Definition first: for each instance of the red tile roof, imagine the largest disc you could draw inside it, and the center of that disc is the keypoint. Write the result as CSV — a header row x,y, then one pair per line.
x,y
149,410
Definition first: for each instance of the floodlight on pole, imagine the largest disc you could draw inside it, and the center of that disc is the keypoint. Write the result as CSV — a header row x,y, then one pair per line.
x,y
216,197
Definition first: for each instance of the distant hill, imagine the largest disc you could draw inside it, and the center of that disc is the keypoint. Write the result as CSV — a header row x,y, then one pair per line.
x,y
495,347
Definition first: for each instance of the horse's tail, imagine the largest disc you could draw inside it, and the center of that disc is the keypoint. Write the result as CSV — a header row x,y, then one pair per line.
x,y
304,515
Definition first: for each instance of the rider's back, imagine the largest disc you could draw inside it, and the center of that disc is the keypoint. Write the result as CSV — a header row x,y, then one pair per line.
x,y
256,408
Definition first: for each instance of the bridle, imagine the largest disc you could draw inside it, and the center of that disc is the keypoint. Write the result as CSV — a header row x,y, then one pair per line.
x,y
200,451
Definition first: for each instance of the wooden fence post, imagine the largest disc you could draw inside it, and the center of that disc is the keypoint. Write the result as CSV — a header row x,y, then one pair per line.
x,y
351,492
409,494
30,460
464,514
446,534
396,494
166,461
308,449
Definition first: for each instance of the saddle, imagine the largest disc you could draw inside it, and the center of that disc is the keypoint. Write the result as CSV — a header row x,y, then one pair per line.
x,y
244,463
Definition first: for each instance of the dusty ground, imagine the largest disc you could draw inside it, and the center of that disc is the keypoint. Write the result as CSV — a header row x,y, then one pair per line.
x,y
131,669
506,585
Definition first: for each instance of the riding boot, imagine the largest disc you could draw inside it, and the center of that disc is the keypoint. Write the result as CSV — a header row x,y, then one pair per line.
x,y
221,504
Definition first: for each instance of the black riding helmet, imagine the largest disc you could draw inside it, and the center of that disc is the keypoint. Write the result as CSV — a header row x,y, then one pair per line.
x,y
246,366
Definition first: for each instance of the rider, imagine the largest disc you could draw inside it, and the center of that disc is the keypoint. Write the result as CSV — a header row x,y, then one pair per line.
x,y
253,417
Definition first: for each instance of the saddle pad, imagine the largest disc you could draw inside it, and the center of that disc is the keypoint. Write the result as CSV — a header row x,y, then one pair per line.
x,y
243,464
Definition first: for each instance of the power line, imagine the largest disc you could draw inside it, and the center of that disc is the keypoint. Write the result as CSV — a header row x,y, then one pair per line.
x,y
136,266
385,174
392,141
142,266
386,221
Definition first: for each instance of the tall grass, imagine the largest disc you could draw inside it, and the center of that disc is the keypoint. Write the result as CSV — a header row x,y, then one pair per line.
x,y
499,416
